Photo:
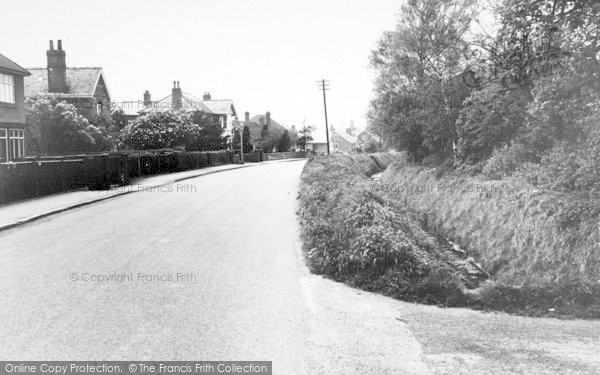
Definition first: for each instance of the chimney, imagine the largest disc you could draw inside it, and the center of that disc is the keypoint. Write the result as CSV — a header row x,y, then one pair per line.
x,y
57,69
176,96
206,96
147,99
268,118
247,118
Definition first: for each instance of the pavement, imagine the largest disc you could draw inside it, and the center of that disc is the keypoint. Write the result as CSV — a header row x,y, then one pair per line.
x,y
213,270
25,211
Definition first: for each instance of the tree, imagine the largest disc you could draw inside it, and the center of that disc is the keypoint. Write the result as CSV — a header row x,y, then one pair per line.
x,y
247,141
161,129
284,142
119,121
210,136
305,136
419,88
55,127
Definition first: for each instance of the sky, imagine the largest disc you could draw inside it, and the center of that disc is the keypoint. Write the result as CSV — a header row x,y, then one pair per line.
x,y
265,55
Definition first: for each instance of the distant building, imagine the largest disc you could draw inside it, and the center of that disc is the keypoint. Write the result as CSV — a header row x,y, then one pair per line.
x,y
85,88
343,142
365,140
222,111
257,123
12,110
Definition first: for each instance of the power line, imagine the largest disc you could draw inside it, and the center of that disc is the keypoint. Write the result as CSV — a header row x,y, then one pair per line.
x,y
324,86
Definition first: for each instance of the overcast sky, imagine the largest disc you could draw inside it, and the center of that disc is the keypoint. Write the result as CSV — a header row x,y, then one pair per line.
x,y
263,54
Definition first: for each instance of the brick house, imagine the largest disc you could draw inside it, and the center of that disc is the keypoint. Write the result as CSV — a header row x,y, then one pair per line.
x,y
85,88
12,110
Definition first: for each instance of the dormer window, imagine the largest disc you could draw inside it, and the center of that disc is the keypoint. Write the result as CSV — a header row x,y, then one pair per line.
x,y
7,88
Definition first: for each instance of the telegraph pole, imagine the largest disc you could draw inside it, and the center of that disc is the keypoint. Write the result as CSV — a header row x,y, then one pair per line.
x,y
324,86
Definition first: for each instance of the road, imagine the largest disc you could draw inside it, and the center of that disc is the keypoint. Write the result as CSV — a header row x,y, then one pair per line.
x,y
249,295
243,292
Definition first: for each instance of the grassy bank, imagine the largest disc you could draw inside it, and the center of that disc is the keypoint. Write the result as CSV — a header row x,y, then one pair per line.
x,y
362,236
542,248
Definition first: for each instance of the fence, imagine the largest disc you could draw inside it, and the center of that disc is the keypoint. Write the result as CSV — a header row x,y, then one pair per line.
x,y
33,177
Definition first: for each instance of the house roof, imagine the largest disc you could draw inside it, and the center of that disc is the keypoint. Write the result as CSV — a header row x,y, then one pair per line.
x,y
256,128
81,82
347,137
131,108
221,107
188,102
9,66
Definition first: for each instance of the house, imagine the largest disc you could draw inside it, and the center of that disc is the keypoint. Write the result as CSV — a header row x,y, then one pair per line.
x,y
222,111
319,147
318,144
12,110
343,142
85,88
255,126
366,142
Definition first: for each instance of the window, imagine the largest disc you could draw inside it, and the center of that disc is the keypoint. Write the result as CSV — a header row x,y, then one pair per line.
x,y
17,143
7,88
3,145
99,109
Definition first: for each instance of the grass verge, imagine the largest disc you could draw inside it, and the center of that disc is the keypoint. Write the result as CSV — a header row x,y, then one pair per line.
x,y
362,237
542,248
389,237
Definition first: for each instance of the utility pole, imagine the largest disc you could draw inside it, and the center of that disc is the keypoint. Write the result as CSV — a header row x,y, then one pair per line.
x,y
324,86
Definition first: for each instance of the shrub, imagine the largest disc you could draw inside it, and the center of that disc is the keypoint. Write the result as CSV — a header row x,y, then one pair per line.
x,y
366,238
505,161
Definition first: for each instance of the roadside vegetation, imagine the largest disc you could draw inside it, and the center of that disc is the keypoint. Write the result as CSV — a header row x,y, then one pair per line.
x,y
362,236
511,109
391,237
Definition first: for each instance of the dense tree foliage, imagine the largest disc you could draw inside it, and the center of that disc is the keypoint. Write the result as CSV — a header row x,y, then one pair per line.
x,y
161,129
247,141
419,88
284,142
210,136
55,128
531,89
305,136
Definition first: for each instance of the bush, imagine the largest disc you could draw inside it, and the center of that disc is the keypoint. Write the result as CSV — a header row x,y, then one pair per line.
x,y
505,161
365,238
160,129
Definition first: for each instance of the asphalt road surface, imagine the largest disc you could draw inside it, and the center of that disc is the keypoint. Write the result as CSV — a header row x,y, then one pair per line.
x,y
211,269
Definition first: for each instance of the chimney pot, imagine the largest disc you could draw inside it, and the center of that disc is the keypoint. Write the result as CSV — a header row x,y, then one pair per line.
x,y
59,42
147,99
57,69
177,97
